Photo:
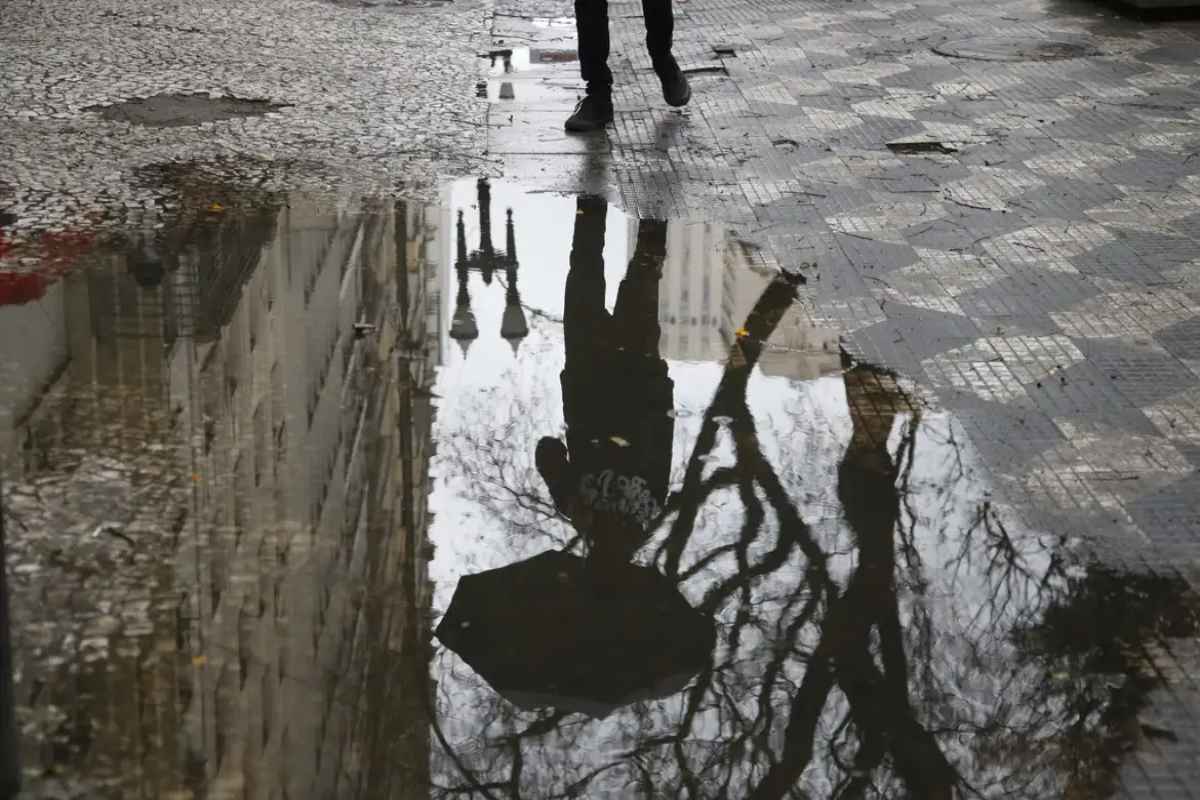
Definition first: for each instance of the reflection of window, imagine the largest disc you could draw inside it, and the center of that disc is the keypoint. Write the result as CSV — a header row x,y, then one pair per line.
x,y
260,441
237,496
267,693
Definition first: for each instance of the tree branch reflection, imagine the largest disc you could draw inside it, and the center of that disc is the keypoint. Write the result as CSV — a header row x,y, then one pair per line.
x,y
915,659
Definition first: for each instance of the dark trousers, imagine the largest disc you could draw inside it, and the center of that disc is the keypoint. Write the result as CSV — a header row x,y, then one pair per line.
x,y
591,23
633,326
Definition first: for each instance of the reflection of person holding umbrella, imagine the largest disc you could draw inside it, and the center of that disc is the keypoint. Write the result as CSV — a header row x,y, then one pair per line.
x,y
611,478
592,634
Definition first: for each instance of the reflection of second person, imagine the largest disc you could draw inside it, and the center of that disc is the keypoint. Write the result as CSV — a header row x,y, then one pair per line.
x,y
611,477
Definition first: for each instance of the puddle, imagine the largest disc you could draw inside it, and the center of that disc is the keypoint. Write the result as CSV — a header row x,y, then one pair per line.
x,y
252,451
389,4
544,93
921,146
538,76
567,23
1001,48
507,61
175,110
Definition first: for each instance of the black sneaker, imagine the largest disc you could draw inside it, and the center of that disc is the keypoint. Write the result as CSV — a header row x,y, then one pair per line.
x,y
674,83
591,114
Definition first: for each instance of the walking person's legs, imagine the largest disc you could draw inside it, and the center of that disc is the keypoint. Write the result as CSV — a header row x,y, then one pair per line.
x,y
591,23
660,28
591,26
660,31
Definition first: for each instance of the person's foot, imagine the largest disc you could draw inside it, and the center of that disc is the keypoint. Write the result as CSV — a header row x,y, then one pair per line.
x,y
591,114
676,90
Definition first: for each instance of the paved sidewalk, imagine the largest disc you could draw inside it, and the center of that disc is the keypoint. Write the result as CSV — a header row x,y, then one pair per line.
x,y
1014,229
328,88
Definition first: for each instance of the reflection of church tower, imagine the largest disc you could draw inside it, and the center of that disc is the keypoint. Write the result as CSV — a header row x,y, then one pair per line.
x,y
486,261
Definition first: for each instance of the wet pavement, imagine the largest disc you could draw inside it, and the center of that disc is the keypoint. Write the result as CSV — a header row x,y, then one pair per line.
x,y
363,435
253,458
285,94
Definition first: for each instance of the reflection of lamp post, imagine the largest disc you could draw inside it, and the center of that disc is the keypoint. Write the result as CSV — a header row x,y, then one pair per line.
x,y
486,260
462,326
10,774
513,327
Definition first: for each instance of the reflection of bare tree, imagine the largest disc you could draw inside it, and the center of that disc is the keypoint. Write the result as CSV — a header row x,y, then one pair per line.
x,y
892,667
1101,628
502,478
879,707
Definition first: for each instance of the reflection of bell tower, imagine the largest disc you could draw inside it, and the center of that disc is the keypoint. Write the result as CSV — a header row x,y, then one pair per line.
x,y
487,260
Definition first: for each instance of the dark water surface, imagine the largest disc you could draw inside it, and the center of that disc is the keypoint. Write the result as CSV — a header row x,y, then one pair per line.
x,y
249,452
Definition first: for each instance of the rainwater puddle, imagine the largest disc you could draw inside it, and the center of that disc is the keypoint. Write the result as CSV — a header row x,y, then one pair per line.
x,y
175,110
366,498
519,60
542,77
1015,48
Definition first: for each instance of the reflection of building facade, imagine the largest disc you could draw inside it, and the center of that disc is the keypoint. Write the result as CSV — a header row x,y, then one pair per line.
x,y
262,391
709,287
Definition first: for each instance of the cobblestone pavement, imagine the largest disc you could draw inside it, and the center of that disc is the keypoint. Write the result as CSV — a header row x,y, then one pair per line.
x,y
361,103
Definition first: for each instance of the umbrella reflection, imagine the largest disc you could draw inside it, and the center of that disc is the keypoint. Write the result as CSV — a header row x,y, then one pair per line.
x,y
553,631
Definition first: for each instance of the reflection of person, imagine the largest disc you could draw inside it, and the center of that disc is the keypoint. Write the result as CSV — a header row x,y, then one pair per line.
x,y
611,478
867,475
591,22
